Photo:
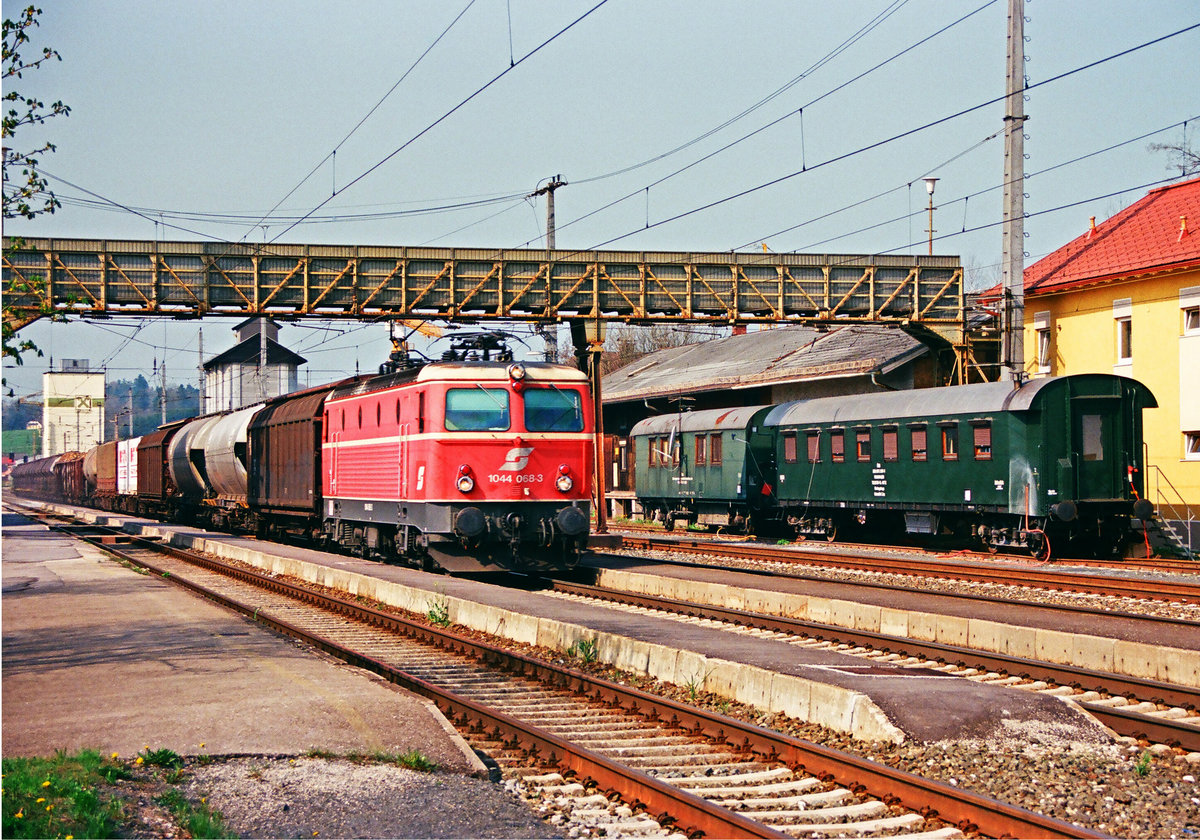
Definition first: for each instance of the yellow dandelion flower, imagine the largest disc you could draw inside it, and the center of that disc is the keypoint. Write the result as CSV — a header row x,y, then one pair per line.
x,y
50,807
139,760
201,745
20,815
41,799
69,837
46,783
115,756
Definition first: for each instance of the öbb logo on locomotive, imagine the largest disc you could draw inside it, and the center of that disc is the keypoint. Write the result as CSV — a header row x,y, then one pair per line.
x,y
516,459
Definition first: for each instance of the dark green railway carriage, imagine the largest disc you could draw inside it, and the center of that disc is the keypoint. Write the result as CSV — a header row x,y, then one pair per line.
x,y
704,467
1058,460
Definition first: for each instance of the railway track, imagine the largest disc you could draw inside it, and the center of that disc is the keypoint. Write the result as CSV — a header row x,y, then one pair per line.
x,y
1154,711
694,771
1185,592
1150,564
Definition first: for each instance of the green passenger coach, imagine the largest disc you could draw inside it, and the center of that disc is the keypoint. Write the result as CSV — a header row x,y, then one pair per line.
x,y
705,467
1054,461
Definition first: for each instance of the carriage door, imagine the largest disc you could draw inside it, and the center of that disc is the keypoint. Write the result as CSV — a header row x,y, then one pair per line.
x,y
1094,438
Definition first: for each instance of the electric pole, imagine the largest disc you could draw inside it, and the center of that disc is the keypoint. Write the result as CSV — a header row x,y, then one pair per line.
x,y
549,334
1012,347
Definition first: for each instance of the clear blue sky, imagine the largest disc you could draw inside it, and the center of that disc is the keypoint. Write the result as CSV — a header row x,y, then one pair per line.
x,y
185,111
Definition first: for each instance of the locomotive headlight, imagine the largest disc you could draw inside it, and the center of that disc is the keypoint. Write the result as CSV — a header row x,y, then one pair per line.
x,y
466,482
516,372
564,482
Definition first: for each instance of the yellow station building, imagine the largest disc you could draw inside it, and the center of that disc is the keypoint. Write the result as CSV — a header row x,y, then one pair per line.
x,y
1124,298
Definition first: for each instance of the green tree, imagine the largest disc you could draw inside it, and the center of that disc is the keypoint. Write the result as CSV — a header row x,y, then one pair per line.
x,y
26,191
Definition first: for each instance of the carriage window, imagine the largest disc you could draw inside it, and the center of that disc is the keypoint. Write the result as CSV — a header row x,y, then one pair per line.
x,y
982,433
814,447
789,447
918,443
950,443
1093,437
701,440
862,442
714,449
891,445
420,412
477,409
360,417
553,410
837,446
397,409
378,414
675,450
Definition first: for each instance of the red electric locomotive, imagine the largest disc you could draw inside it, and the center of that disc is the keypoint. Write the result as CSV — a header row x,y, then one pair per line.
x,y
475,462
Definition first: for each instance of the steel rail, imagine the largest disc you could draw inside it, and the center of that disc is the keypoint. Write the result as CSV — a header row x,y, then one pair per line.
x,y
1122,722
969,811
1188,593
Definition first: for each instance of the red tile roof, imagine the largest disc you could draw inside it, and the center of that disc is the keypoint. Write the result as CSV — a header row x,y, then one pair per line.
x,y
1146,237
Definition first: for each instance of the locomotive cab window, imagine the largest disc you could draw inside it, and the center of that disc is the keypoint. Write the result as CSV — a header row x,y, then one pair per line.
x,y
714,449
789,447
949,441
981,434
477,409
553,410
837,446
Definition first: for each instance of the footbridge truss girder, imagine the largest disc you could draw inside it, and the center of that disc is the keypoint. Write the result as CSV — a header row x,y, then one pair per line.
x,y
97,278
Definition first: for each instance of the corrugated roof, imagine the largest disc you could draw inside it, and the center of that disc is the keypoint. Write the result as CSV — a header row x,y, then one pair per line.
x,y
1146,237
769,357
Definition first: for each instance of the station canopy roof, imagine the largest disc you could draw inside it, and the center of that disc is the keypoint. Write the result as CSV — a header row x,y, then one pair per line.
x,y
777,356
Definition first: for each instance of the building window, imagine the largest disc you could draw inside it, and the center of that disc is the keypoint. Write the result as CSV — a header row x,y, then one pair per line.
x,y
1124,339
950,442
837,446
919,435
789,447
982,439
701,449
814,447
1191,446
1191,320
714,450
891,445
1043,350
862,443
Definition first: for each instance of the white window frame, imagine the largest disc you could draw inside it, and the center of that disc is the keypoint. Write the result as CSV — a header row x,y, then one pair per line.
x,y
1191,446
1189,310
1123,331
1041,343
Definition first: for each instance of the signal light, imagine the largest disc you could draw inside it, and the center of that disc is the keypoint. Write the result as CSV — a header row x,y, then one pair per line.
x,y
465,482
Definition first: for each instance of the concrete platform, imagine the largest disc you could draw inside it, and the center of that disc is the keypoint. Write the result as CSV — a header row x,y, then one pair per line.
x,y
98,656
845,693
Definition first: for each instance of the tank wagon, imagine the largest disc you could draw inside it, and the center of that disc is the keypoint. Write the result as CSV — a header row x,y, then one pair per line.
x,y
474,462
1054,463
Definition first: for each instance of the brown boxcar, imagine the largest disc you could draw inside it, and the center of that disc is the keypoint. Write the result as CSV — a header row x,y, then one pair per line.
x,y
106,473
284,457
154,486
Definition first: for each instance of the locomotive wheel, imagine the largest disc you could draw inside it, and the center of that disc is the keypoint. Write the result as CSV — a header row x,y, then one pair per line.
x,y
669,522
831,534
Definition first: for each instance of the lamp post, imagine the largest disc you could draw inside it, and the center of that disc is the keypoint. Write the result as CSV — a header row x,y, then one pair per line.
x,y
930,183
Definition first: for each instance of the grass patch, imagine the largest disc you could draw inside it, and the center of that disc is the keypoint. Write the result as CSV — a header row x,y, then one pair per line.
x,y
73,796
411,760
56,797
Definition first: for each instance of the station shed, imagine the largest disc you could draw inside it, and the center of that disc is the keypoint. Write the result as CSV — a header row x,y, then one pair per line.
x,y
754,368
